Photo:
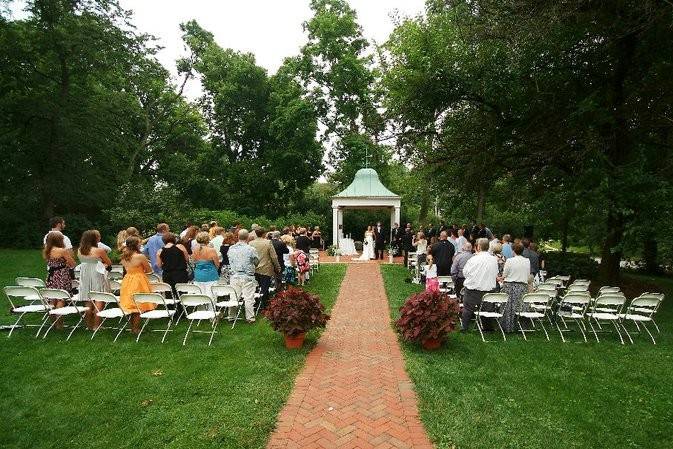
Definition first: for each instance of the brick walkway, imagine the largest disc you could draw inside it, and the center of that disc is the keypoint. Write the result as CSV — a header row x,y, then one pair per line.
x,y
353,391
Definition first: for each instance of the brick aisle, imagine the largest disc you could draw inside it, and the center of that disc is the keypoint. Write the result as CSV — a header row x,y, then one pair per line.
x,y
353,391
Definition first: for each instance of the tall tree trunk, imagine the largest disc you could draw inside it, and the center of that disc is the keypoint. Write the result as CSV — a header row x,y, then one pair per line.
x,y
564,234
650,253
481,203
612,252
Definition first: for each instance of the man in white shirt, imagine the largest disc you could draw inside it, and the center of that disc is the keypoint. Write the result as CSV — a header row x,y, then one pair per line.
x,y
57,224
480,274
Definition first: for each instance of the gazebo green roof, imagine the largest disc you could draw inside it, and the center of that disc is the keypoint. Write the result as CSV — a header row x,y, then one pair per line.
x,y
366,184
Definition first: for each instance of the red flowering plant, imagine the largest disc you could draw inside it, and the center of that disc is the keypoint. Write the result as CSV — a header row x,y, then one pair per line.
x,y
427,315
295,311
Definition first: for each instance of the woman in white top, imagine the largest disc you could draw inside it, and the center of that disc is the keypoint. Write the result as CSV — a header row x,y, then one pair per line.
x,y
515,276
421,245
430,271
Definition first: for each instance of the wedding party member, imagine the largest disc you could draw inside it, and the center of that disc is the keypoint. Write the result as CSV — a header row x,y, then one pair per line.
x,y
459,262
368,245
379,240
303,242
60,262
267,267
242,262
430,271
172,259
57,224
92,275
443,252
136,266
206,261
398,233
515,284
481,272
154,244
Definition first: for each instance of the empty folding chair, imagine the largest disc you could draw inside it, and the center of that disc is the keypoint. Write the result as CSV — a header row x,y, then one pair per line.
x,y
550,290
660,297
110,310
183,288
22,302
196,302
445,284
534,307
116,268
573,306
555,281
578,288
640,312
159,313
113,275
51,294
115,287
31,282
606,308
492,305
606,290
166,291
233,300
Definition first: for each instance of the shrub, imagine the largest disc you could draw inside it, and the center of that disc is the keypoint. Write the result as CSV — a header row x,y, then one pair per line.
x,y
295,311
427,315
577,266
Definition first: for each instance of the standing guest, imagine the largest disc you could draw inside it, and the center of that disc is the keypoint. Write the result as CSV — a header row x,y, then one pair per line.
x,y
206,262
303,242
515,284
102,245
421,245
534,261
430,271
453,239
172,259
212,229
481,273
205,227
229,239
461,240
442,253
442,226
398,233
267,268
303,265
431,232
60,263
216,241
57,224
407,243
289,272
121,239
316,238
507,246
135,281
184,231
457,267
189,240
281,250
253,232
496,250
242,261
154,244
92,275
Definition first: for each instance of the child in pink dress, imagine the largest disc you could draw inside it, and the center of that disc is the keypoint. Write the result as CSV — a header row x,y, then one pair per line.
x,y
431,281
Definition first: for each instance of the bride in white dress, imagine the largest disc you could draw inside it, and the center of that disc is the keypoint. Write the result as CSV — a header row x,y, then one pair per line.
x,y
368,245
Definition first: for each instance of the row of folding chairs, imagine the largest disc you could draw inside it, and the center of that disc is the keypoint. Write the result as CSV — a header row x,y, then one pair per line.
x,y
607,309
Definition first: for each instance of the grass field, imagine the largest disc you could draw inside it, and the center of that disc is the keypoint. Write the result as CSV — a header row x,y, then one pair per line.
x,y
100,394
541,394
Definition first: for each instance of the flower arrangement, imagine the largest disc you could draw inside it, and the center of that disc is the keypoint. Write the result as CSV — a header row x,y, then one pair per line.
x,y
428,317
294,312
333,250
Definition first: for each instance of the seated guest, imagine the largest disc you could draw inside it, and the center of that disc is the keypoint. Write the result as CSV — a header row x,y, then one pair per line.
x,y
515,284
430,271
172,259
154,244
137,266
457,267
92,275
206,262
57,224
242,262
480,272
229,239
267,267
60,262
303,242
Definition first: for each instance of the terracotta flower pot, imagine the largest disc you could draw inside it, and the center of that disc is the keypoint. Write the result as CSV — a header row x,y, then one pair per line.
x,y
295,342
431,343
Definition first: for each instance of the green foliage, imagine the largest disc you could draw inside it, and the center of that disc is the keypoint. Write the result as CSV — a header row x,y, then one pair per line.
x,y
577,266
295,311
427,315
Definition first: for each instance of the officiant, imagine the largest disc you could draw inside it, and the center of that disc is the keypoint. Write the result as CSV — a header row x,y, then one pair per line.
x,y
379,240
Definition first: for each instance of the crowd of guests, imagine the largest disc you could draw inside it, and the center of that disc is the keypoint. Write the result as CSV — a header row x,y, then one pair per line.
x,y
477,260
204,255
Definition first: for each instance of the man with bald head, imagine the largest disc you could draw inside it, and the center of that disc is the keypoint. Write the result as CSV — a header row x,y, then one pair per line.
x,y
442,253
243,260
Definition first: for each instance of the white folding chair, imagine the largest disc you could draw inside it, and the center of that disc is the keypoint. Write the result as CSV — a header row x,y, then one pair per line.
x,y
660,297
165,290
196,301
445,284
573,306
497,302
108,312
639,312
607,290
30,282
115,286
233,300
537,305
184,288
116,268
161,311
51,294
578,288
114,275
35,304
607,308
153,278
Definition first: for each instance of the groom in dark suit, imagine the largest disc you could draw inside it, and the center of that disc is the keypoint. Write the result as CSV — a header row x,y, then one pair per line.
x,y
379,240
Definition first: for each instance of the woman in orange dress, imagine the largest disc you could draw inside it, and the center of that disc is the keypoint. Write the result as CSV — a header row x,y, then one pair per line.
x,y
135,281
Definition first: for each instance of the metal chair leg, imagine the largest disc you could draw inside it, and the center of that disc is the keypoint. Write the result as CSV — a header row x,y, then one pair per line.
x,y
184,341
213,333
49,329
15,325
167,329
81,318
121,329
147,320
98,328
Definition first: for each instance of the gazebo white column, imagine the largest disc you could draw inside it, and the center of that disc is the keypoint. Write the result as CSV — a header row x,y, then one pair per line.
x,y
335,226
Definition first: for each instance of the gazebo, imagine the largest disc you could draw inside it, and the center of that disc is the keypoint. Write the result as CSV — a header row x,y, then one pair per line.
x,y
365,192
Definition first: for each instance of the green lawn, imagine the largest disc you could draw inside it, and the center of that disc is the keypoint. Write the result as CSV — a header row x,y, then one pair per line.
x,y
541,394
100,394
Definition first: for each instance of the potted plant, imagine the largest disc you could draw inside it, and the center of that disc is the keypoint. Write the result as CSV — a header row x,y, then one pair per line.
x,y
334,251
294,312
427,318
391,255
